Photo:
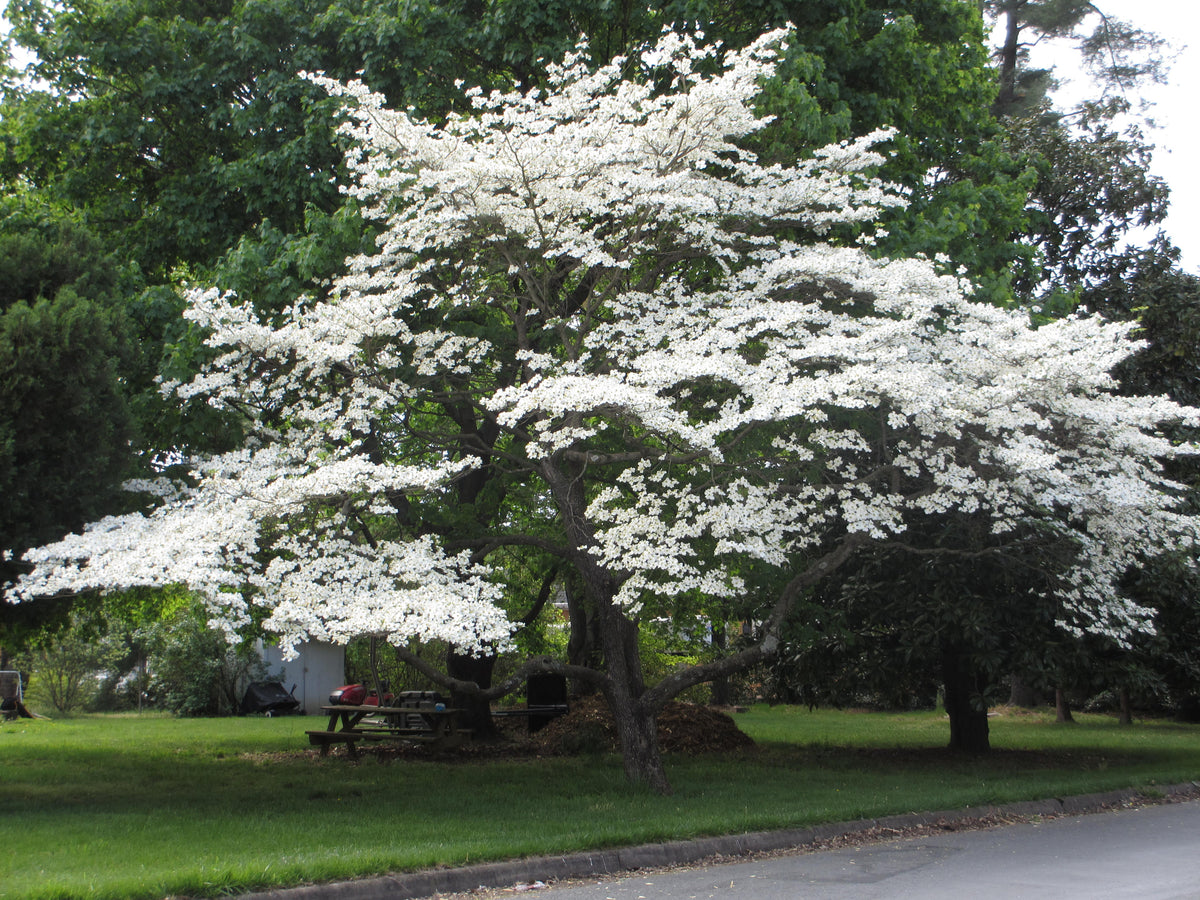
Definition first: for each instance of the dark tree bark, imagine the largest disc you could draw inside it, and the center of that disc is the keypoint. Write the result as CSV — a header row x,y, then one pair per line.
x,y
1062,706
1022,694
965,704
722,690
476,709
635,723
1126,715
1009,53
583,644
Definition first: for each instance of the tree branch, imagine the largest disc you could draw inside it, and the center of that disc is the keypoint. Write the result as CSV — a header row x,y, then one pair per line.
x,y
533,666
768,644
486,545
610,459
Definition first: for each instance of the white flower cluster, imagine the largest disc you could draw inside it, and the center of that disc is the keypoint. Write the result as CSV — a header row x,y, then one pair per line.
x,y
319,583
337,589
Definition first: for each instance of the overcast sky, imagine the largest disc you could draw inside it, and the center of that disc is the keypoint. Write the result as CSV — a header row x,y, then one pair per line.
x,y
1176,158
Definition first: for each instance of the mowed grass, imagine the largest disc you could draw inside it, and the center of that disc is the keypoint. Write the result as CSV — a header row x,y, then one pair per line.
x,y
149,807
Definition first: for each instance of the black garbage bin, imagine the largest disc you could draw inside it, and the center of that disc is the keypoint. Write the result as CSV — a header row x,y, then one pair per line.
x,y
546,696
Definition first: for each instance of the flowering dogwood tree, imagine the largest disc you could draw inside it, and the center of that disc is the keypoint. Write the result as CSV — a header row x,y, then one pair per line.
x,y
593,302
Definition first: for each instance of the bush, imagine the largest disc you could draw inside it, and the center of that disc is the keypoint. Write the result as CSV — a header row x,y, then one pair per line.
x,y
66,666
195,670
62,673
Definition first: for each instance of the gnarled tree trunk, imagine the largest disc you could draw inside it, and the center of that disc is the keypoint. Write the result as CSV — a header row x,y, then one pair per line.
x,y
637,730
634,721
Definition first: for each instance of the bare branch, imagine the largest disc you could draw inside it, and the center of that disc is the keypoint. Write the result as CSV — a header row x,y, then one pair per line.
x,y
768,644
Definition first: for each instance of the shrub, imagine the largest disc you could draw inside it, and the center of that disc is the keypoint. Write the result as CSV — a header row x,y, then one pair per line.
x,y
195,670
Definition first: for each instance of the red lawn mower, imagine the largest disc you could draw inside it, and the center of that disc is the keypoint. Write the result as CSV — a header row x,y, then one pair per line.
x,y
359,695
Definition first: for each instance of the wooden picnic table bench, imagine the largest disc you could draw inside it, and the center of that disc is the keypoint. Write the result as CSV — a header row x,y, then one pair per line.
x,y
423,724
546,699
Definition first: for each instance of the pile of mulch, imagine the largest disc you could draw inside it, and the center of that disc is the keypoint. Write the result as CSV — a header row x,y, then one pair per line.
x,y
587,728
682,728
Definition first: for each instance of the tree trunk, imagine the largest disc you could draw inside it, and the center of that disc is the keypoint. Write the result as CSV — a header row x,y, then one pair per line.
x,y
965,703
583,642
1062,707
722,690
476,711
1009,53
637,730
1126,714
1021,694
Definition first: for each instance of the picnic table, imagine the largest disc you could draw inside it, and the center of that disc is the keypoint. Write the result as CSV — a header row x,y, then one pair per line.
x,y
429,723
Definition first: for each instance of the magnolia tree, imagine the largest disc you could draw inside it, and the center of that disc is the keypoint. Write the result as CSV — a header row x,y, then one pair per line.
x,y
598,330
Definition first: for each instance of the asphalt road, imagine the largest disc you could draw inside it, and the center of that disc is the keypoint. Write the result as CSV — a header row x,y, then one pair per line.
x,y
1148,853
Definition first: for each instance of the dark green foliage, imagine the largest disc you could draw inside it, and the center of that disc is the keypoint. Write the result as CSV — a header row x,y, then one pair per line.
x,y
67,369
1093,191
64,425
195,670
883,632
43,255
173,127
1172,655
1147,285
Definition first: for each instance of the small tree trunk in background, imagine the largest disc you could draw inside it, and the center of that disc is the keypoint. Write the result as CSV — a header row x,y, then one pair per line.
x,y
964,703
1062,706
1021,694
722,690
1125,717
476,712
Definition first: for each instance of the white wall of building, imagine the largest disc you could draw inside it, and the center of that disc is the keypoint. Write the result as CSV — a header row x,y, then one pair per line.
x,y
316,671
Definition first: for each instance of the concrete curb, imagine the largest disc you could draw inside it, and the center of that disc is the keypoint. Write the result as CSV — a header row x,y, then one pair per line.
x,y
415,885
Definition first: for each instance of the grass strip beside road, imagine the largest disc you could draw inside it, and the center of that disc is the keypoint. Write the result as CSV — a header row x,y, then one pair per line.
x,y
147,807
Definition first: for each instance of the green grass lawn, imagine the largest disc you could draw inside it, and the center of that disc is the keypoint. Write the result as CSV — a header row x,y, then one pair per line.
x,y
131,807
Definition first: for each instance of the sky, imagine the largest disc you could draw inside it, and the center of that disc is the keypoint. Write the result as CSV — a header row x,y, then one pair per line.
x,y
1176,107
